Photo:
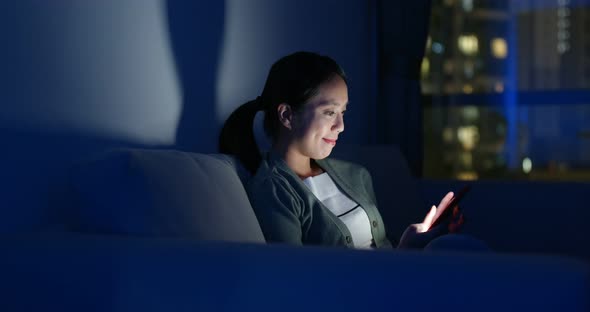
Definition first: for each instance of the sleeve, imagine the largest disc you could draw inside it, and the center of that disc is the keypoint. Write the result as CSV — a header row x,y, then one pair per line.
x,y
278,209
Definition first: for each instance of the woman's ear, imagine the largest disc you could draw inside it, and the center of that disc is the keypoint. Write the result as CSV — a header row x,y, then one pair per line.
x,y
285,115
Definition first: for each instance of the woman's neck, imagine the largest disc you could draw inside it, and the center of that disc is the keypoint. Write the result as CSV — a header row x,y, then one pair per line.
x,y
303,166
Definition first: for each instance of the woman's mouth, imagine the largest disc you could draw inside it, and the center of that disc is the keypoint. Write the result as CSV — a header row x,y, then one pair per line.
x,y
331,142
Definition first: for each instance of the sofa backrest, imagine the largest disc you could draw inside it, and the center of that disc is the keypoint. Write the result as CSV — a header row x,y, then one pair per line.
x,y
164,193
173,193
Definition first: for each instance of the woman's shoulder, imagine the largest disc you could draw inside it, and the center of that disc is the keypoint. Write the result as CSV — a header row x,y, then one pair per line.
x,y
272,181
269,172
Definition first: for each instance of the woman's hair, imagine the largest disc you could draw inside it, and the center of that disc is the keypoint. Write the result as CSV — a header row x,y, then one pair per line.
x,y
294,79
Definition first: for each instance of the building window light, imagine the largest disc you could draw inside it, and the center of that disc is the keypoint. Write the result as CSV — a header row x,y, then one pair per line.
x,y
563,23
447,135
468,44
468,136
499,87
527,165
467,89
499,48
467,5
563,35
563,12
425,68
563,47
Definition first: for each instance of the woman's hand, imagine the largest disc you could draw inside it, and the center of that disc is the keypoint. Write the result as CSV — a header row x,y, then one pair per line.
x,y
420,234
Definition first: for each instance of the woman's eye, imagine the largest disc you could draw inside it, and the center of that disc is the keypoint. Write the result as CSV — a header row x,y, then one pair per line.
x,y
329,113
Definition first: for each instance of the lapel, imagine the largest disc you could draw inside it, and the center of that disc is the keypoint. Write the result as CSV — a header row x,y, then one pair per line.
x,y
344,180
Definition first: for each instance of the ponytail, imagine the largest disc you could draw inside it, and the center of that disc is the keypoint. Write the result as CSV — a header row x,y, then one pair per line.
x,y
237,136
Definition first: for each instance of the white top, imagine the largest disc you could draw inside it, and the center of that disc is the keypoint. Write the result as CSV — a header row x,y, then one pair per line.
x,y
348,211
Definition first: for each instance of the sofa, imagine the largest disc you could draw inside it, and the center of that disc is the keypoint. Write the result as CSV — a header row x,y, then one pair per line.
x,y
166,230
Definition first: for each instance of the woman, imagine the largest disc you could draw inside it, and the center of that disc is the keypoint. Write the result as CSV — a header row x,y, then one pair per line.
x,y
298,194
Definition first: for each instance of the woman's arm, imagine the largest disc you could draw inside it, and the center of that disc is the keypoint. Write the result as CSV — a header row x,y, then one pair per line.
x,y
278,209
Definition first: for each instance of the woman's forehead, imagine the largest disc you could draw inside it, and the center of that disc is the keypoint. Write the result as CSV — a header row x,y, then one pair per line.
x,y
333,92
329,102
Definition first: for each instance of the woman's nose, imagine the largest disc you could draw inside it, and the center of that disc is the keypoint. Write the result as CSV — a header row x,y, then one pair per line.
x,y
339,123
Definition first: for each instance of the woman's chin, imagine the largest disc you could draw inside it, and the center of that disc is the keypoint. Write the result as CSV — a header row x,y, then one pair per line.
x,y
324,154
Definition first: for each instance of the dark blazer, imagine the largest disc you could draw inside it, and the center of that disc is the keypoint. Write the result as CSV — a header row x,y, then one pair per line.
x,y
289,212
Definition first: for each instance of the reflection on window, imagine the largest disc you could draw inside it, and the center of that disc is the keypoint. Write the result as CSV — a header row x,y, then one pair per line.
x,y
507,90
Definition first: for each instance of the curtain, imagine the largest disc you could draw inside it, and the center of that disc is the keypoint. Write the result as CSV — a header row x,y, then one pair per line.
x,y
402,33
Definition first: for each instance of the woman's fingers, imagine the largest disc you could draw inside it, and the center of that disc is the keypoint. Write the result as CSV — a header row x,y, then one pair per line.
x,y
430,216
425,226
446,200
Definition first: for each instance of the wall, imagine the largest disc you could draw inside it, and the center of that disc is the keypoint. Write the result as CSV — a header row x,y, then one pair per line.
x,y
98,68
80,77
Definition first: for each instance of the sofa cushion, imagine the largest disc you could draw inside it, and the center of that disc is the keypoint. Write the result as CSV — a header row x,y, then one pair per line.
x,y
164,193
98,273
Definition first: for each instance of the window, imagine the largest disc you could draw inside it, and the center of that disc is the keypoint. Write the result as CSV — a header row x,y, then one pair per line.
x,y
507,90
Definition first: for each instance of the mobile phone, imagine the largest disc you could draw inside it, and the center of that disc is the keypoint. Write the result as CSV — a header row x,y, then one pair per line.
x,y
454,202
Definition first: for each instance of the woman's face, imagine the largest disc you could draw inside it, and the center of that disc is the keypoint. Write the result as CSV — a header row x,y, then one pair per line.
x,y
315,129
